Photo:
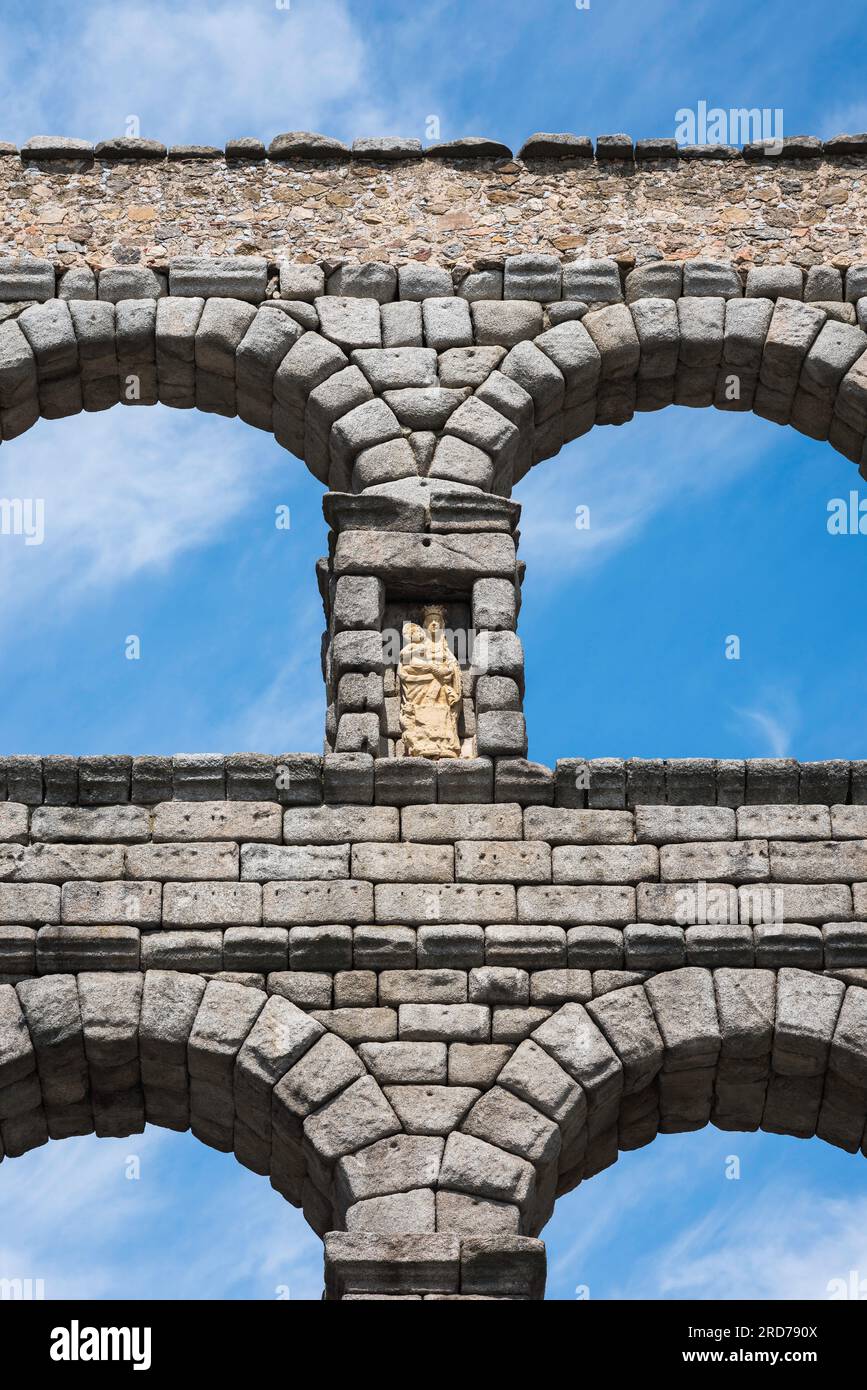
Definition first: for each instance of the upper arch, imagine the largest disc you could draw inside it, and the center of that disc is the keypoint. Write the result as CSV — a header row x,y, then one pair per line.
x,y
467,394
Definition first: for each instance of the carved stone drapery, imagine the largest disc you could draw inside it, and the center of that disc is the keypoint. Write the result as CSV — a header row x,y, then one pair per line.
x,y
430,689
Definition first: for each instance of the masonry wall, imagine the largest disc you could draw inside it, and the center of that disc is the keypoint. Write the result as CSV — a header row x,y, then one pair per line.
x,y
424,1019
374,916
458,210
425,999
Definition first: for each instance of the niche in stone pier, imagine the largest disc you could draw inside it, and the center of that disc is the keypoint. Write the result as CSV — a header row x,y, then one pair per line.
x,y
429,679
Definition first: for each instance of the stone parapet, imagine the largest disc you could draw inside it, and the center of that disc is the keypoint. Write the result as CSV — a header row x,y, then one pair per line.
x,y
130,202
359,779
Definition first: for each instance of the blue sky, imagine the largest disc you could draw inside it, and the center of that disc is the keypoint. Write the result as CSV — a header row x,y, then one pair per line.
x,y
161,524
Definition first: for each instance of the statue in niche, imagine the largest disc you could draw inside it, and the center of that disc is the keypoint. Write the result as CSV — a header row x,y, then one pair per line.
x,y
430,689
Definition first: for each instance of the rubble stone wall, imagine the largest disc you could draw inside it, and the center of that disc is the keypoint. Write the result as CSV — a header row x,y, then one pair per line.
x,y
128,203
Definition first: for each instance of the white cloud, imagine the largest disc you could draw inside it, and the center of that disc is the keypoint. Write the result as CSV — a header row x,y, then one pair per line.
x,y
774,719
777,736
196,72
602,1221
183,1230
778,1244
123,495
667,1223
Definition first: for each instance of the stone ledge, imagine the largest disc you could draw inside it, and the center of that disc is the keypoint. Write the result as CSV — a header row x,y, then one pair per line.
x,y
310,779
304,147
543,288
363,1264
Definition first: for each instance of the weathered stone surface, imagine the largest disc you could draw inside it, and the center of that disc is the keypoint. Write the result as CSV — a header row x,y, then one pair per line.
x,y
475,1167
330,825
575,1042
182,862
661,825
358,1116
235,277
807,1010
57,863
593,281
211,904
784,822
74,948
468,1216
348,322
395,1214
29,904
406,1063
452,562
534,1076
308,902
626,1019
560,826
323,1071
17,1057
503,1119
492,984
264,863
503,1266
789,944
521,949
684,1007
570,906
447,824
434,1110
499,861
716,861
225,1017
404,863
418,904
447,323
359,1025
217,820
470,1023
72,824
500,324
820,861
604,864
458,461
390,1265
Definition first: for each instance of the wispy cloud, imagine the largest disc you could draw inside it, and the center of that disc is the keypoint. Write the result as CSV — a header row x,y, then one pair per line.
x,y
845,120
773,1245
72,1218
668,1221
125,493
200,73
774,719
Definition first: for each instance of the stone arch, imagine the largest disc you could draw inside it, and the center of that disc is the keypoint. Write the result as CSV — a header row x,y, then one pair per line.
x,y
472,397
252,1074
107,1052
420,443
420,423
60,357
743,1049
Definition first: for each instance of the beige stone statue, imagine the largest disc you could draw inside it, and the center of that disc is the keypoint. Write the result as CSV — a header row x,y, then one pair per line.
x,y
430,689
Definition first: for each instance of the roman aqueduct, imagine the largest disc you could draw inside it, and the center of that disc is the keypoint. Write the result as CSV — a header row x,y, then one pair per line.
x,y
424,996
